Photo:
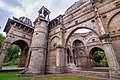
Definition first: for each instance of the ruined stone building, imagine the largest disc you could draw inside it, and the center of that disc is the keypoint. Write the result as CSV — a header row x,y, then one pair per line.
x,y
47,46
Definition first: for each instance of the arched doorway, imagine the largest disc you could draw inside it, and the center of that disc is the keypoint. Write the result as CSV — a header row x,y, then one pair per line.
x,y
19,51
79,53
98,58
77,41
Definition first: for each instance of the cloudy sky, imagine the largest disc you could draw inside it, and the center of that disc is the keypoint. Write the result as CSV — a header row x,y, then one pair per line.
x,y
29,8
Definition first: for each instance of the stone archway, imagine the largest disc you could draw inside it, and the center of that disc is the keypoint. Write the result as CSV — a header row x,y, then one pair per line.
x,y
79,46
51,57
73,30
18,31
78,53
23,51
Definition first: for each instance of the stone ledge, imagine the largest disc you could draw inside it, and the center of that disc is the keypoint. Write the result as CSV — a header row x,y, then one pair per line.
x,y
91,74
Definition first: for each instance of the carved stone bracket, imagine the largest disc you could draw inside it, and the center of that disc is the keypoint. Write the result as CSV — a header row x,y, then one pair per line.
x,y
105,37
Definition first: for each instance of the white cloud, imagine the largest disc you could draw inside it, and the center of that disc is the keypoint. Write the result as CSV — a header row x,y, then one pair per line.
x,y
2,4
29,8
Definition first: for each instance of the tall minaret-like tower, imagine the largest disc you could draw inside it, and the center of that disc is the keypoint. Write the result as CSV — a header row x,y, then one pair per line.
x,y
39,43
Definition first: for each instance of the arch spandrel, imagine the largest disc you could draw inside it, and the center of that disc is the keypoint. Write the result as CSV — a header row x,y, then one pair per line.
x,y
28,42
72,39
114,30
54,41
114,23
73,29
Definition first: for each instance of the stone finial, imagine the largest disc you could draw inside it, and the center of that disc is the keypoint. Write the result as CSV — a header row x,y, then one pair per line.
x,y
44,13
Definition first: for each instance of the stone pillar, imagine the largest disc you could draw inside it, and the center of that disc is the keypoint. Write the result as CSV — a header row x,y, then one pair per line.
x,y
22,60
60,56
114,68
59,59
3,52
39,44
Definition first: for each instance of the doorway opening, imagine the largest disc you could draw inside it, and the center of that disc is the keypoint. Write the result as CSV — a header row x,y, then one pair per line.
x,y
16,55
98,58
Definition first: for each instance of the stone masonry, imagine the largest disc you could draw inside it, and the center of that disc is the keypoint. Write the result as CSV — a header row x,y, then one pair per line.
x,y
45,46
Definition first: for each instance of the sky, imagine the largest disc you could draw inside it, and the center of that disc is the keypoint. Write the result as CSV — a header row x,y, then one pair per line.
x,y
29,8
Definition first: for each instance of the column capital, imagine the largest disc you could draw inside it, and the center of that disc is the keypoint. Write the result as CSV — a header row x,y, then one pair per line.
x,y
59,46
105,37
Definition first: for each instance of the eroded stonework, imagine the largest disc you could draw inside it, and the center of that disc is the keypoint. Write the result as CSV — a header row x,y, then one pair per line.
x,y
49,42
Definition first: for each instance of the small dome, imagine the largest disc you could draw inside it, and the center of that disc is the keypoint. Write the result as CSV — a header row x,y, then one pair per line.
x,y
26,20
75,6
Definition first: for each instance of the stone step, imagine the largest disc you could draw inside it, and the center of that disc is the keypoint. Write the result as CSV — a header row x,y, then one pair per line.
x,y
91,74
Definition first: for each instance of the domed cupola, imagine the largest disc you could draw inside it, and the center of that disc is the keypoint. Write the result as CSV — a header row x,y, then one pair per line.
x,y
25,20
75,6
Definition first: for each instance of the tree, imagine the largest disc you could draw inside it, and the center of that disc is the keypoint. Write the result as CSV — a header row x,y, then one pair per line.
x,y
12,54
99,57
2,38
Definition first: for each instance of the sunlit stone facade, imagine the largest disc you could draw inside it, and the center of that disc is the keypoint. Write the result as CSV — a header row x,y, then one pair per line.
x,y
47,43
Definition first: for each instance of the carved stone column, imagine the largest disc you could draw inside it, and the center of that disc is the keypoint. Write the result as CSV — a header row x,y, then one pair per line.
x,y
6,45
59,59
60,56
114,69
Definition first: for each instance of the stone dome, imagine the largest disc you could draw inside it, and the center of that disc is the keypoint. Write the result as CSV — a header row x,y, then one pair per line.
x,y
75,5
26,20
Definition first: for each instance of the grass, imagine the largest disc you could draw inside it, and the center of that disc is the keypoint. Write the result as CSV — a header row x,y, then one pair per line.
x,y
10,76
13,76
10,66
65,77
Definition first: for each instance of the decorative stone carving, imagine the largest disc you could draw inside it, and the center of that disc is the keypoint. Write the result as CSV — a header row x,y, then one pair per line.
x,y
117,4
105,37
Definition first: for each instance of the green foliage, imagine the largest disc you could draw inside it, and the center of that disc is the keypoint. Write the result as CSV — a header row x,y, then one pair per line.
x,y
2,38
104,62
99,57
12,55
